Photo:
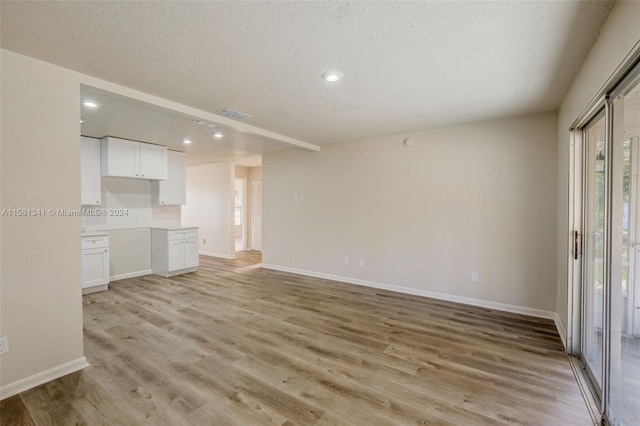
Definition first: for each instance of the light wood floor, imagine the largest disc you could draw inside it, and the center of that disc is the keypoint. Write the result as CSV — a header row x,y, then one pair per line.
x,y
236,344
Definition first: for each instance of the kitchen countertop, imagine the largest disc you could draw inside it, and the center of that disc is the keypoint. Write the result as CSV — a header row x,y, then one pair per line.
x,y
174,228
95,234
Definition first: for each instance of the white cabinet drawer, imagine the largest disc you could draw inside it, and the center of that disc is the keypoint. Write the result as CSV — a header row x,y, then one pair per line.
x,y
183,234
94,242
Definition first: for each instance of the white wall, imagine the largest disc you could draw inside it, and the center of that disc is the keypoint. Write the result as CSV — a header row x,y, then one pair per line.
x,y
40,302
132,196
475,198
617,39
210,204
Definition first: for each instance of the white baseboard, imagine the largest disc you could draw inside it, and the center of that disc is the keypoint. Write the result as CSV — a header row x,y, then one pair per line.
x,y
561,331
131,275
223,256
22,385
418,292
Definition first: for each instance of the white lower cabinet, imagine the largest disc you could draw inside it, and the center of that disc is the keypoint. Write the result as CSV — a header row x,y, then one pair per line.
x,y
95,263
174,251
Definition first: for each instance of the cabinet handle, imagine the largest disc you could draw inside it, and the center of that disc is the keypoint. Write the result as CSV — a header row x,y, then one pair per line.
x,y
106,250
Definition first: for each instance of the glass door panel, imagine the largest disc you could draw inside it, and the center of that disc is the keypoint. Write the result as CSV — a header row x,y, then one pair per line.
x,y
594,249
624,359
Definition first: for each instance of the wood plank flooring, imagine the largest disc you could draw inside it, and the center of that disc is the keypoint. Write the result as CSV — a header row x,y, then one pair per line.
x,y
234,344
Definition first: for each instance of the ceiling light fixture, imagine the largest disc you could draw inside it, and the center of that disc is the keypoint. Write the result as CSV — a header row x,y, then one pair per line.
x,y
217,134
81,120
186,141
332,76
91,104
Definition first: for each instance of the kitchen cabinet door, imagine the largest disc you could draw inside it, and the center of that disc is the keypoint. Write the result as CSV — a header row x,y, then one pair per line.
x,y
173,190
176,255
95,267
191,254
153,161
120,157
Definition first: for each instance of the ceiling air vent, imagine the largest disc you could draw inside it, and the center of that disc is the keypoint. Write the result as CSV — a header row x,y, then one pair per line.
x,y
234,114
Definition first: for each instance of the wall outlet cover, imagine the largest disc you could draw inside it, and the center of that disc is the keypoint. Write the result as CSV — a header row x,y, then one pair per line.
x,y
4,345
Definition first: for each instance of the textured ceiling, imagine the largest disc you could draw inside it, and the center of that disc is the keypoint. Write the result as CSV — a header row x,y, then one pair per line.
x,y
407,65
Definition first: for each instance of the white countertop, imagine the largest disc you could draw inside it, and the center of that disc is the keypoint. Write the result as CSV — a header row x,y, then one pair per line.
x,y
95,234
175,228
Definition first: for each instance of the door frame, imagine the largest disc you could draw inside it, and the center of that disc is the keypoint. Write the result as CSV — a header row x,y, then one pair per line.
x,y
245,214
251,206
626,73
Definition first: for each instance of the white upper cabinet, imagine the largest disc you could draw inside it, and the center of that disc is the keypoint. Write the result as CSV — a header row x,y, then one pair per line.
x,y
174,189
125,158
90,178
153,161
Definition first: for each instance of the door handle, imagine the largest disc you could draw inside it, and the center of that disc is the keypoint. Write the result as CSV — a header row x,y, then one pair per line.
x,y
575,245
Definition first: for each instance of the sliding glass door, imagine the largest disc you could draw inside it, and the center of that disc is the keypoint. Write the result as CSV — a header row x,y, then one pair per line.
x,y
624,346
594,249
610,283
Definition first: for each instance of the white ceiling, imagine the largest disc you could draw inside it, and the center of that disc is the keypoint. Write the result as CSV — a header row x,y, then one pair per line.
x,y
407,65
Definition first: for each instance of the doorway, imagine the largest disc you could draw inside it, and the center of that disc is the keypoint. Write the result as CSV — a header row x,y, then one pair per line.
x,y
606,304
239,215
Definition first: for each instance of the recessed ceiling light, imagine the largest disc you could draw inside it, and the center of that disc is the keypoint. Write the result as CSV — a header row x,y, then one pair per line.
x,y
332,76
91,104
217,134
186,141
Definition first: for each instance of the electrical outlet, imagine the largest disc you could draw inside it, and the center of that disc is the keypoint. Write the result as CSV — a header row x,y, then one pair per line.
x,y
204,241
474,277
361,263
347,261
4,345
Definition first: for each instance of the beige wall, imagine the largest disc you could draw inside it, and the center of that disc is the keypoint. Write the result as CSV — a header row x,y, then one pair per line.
x,y
242,172
474,198
617,39
40,278
41,309
255,173
129,252
210,195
